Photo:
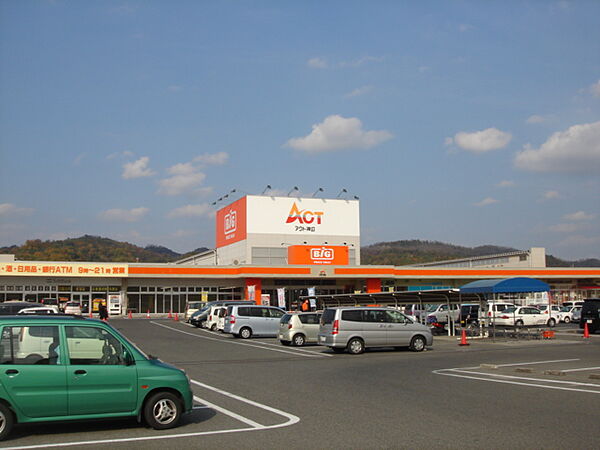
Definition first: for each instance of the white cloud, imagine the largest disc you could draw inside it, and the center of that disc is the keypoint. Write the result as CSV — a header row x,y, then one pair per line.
x,y
124,215
551,195
137,169
506,184
359,91
579,216
8,210
202,209
180,183
486,201
536,119
216,159
574,150
337,133
480,141
125,154
595,89
317,63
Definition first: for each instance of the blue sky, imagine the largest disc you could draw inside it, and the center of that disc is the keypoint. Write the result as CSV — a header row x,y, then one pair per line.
x,y
466,122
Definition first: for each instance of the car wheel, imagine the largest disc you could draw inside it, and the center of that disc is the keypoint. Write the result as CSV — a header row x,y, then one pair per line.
x,y
286,343
245,333
162,410
519,323
567,319
338,349
7,420
299,340
417,344
551,322
356,346
213,327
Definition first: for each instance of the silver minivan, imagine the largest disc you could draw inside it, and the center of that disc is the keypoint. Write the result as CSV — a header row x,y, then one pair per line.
x,y
355,329
247,321
299,328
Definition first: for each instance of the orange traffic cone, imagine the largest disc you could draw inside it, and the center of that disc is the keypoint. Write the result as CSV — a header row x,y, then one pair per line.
x,y
463,338
148,314
176,317
91,316
586,331
170,316
130,316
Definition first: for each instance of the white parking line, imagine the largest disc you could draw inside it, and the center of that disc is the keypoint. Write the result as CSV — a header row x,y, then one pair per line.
x,y
291,420
466,372
296,353
582,369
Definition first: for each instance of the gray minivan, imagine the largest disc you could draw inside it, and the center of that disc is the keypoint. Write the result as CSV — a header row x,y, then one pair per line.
x,y
246,321
356,328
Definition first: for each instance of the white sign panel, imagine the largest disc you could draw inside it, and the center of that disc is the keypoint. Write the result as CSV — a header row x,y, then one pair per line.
x,y
310,216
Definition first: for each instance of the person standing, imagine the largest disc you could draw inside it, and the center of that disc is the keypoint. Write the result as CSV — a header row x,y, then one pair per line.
x,y
305,306
102,311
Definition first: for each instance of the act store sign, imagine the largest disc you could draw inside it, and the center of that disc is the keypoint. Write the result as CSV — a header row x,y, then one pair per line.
x,y
336,255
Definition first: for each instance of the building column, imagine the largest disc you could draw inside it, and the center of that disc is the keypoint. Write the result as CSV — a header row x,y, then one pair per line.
x,y
373,285
257,283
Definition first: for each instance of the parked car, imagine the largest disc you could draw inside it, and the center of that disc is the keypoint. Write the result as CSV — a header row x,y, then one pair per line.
x,y
191,308
357,328
50,302
199,318
439,315
73,308
568,313
417,310
59,367
212,320
576,312
522,316
493,309
246,321
11,308
590,314
40,310
556,315
221,323
299,328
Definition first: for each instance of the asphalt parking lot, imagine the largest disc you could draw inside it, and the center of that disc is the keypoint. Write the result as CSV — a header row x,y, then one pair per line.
x,y
258,394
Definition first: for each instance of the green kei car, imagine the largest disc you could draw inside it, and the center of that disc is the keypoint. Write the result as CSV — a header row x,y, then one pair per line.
x,y
69,368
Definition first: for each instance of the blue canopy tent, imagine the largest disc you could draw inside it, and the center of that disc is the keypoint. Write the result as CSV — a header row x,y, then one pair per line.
x,y
505,286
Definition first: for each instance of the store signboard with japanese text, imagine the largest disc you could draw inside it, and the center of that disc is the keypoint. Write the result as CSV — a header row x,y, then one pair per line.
x,y
335,255
302,216
231,223
70,269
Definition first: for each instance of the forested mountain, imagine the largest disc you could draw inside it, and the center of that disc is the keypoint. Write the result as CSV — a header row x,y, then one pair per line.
x,y
91,248
398,253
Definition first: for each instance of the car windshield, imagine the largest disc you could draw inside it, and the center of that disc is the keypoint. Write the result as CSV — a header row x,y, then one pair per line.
x,y
565,308
510,310
542,307
432,308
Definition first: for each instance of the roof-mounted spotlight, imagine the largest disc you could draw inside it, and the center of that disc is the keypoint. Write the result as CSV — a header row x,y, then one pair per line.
x,y
318,190
268,188
356,197
295,188
343,191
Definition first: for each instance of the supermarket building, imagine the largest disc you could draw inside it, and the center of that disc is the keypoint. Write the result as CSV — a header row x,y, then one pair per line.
x,y
273,250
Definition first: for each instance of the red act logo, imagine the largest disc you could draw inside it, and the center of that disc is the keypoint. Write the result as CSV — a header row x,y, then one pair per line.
x,y
304,216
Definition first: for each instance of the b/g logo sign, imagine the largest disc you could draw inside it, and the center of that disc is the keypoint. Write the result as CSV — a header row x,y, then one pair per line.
x,y
230,222
322,254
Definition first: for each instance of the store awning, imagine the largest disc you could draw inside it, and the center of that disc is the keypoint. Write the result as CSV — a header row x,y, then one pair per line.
x,y
506,285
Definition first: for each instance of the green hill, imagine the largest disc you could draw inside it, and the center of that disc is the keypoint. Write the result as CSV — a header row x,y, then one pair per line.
x,y
397,253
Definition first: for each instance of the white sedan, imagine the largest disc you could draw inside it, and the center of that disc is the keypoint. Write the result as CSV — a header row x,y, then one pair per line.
x,y
521,316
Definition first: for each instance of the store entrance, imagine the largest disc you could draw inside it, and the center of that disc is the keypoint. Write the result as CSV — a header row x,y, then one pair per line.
x,y
84,301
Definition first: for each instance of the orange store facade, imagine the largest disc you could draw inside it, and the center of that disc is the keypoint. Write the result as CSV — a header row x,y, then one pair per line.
x,y
160,288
